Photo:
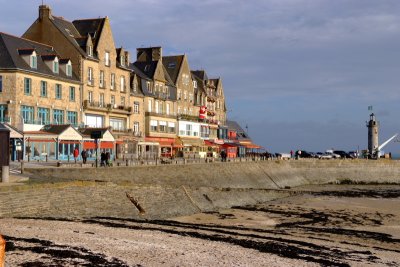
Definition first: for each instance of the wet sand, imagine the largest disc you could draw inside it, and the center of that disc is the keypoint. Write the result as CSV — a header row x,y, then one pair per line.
x,y
320,225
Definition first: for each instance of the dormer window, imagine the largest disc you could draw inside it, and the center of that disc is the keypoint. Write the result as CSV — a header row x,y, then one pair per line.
x,y
55,65
122,60
195,84
69,69
90,50
107,59
33,60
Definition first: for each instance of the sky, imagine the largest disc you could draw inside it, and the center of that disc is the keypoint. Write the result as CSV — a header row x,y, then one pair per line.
x,y
299,73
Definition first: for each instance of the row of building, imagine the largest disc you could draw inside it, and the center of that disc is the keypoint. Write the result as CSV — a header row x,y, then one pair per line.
x,y
61,80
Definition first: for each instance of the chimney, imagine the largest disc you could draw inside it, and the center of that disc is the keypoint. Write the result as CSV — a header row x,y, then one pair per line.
x,y
149,54
44,12
156,53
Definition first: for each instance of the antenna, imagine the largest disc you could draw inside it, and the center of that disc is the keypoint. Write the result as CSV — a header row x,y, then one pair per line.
x,y
247,129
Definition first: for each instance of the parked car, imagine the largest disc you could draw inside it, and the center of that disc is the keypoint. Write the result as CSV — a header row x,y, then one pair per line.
x,y
354,154
334,155
342,154
303,154
324,155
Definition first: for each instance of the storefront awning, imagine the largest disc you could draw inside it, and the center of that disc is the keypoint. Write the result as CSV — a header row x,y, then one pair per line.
x,y
192,142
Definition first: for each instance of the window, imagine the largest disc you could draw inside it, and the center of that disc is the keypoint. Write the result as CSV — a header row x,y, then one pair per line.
x,y
3,113
123,86
188,129
93,120
58,116
156,108
27,86
43,115
179,110
55,66
101,81
43,88
179,94
113,100
150,104
163,126
185,95
33,61
72,117
58,91
71,93
1,83
27,114
171,127
167,108
153,126
122,60
134,87
117,124
136,107
90,96
195,84
161,108
107,59
90,76
69,69
112,84
122,100
148,87
191,97
136,128
101,100
90,50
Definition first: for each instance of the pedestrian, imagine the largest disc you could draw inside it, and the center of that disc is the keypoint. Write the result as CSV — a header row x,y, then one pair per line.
x,y
108,156
84,156
103,159
76,154
291,154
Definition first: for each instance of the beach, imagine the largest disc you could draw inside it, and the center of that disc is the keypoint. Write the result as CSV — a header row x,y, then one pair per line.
x,y
335,225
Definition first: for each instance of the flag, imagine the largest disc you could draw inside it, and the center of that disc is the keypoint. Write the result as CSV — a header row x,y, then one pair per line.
x,y
369,107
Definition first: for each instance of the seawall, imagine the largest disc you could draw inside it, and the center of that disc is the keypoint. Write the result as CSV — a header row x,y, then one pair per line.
x,y
166,191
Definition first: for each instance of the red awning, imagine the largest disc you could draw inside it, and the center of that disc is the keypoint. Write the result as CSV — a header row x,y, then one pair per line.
x,y
252,146
107,145
69,142
89,145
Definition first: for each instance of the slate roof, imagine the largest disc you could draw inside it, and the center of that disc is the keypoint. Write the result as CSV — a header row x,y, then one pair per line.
x,y
201,74
92,27
240,133
10,57
56,128
69,31
173,65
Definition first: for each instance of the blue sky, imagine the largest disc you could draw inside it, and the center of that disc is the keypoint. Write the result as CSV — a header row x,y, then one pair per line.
x,y
299,73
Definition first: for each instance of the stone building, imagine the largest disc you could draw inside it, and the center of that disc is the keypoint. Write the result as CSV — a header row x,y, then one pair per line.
x,y
37,85
159,102
107,99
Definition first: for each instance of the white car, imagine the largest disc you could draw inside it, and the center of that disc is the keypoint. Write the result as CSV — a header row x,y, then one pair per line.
x,y
334,156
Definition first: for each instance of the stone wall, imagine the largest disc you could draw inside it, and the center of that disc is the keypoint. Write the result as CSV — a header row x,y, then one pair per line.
x,y
166,191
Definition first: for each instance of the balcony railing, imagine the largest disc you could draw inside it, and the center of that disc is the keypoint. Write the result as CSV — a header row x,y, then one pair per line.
x,y
107,107
161,114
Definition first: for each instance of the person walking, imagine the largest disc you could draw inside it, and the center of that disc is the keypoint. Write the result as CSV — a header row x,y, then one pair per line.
x,y
76,154
108,157
291,154
84,156
103,159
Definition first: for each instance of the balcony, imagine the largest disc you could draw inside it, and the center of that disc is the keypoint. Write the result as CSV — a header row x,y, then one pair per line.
x,y
125,132
161,114
161,95
186,117
99,106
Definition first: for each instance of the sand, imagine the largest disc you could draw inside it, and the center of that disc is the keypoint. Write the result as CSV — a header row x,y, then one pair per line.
x,y
324,225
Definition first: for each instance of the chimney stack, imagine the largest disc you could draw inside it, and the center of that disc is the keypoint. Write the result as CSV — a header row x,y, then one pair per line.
x,y
44,12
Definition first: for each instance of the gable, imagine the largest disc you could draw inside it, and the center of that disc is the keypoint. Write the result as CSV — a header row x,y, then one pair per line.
x,y
70,134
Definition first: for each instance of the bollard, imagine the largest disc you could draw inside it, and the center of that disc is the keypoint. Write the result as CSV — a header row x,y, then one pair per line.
x,y
5,174
127,162
2,251
22,167
47,158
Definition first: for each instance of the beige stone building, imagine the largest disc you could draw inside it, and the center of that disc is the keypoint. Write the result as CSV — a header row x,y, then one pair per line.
x,y
159,101
37,85
107,98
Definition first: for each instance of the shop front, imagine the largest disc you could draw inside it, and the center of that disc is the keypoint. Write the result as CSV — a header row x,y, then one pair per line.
x,y
106,144
193,148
